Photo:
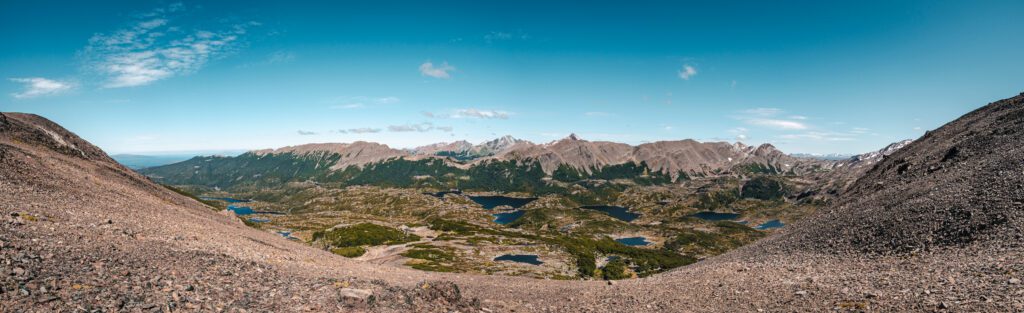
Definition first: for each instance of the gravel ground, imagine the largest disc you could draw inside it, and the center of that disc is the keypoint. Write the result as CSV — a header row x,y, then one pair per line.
x,y
919,232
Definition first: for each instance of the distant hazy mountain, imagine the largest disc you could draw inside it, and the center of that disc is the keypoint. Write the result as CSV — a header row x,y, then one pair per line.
x,y
139,161
827,157
135,161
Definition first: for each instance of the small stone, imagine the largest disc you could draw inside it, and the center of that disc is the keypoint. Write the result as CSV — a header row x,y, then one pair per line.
x,y
611,282
359,295
18,271
1014,281
801,293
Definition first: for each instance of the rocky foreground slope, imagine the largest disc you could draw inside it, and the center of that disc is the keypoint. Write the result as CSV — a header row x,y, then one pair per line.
x,y
936,226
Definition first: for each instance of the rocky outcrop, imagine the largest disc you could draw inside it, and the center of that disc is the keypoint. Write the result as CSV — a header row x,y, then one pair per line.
x,y
961,184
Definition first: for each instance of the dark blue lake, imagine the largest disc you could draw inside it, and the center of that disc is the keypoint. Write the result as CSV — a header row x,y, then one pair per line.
x,y
507,217
770,224
715,216
618,212
490,202
633,241
521,258
244,210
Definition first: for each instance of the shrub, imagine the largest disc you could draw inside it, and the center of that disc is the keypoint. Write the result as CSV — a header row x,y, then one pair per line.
x,y
615,269
364,234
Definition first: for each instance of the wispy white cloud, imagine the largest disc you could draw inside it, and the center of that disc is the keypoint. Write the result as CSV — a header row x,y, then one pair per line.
x,y
150,49
740,132
762,111
499,36
778,124
38,86
428,69
418,127
306,133
769,117
280,57
485,114
860,130
361,130
819,136
687,72
360,102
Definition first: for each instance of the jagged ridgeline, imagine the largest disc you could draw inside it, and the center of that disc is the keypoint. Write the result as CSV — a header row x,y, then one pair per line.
x,y
503,165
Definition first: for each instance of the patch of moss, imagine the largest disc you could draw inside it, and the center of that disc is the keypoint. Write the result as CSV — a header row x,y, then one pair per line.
x,y
430,254
365,234
349,252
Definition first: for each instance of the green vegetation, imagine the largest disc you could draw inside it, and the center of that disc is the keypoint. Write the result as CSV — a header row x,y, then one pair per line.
x,y
349,252
432,259
729,235
717,199
639,173
765,188
364,234
583,249
215,204
615,269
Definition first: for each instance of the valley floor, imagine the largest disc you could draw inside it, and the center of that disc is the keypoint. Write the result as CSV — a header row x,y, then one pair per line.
x,y
115,248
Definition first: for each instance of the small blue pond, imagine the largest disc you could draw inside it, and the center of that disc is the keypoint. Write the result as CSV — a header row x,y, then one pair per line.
x,y
521,258
259,220
769,225
618,212
490,202
507,217
286,234
715,216
633,241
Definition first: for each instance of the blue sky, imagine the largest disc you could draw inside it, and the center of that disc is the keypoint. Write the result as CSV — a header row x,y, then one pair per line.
x,y
809,77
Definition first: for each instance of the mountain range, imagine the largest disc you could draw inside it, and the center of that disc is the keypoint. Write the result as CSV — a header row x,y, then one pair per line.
x,y
507,164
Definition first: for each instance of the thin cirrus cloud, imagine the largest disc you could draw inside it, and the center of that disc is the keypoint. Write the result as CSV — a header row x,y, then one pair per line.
x,y
38,87
151,49
484,114
687,72
306,133
778,124
361,130
429,69
361,102
418,127
768,117
471,113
